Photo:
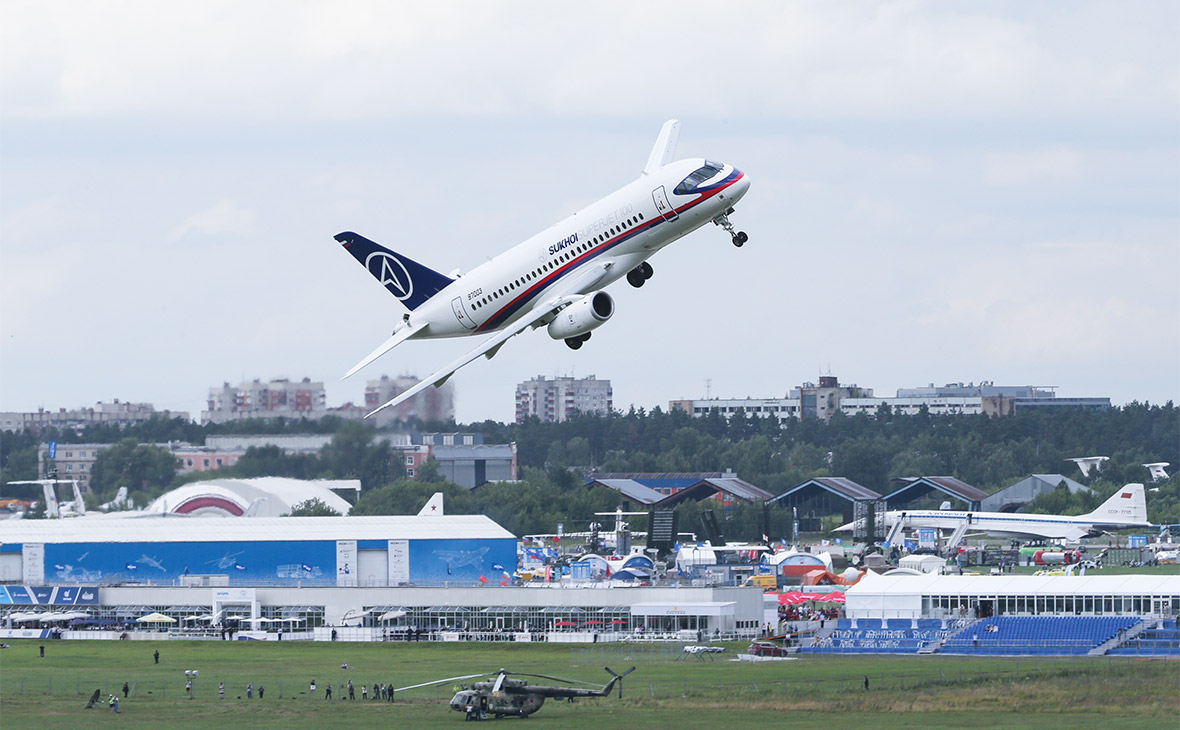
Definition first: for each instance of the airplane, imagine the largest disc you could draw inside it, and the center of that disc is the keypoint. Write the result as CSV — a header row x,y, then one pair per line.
x,y
460,558
1086,463
1126,508
506,695
1158,470
557,278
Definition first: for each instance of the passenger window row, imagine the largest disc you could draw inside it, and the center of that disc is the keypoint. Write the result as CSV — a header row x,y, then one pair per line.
x,y
560,259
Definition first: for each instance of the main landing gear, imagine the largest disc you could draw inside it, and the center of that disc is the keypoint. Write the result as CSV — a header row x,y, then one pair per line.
x,y
637,276
738,237
576,342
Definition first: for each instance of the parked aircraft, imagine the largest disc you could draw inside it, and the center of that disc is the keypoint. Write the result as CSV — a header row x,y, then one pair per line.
x,y
557,278
1126,508
507,696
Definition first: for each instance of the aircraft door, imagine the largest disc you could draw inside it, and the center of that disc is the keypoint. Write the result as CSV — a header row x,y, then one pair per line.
x,y
461,313
663,207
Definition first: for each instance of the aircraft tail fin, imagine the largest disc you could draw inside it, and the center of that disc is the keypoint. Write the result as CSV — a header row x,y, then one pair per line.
x,y
664,148
1127,505
407,280
434,506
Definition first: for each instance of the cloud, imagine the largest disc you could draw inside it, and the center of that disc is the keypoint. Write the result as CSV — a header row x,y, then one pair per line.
x,y
225,217
260,62
1058,164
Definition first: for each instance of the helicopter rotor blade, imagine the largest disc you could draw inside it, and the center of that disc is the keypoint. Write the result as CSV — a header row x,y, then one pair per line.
x,y
440,681
555,679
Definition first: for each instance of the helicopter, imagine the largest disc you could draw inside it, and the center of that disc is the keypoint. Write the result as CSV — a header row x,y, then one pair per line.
x,y
507,695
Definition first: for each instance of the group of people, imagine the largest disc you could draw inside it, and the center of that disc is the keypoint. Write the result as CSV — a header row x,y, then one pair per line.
x,y
804,612
380,691
249,690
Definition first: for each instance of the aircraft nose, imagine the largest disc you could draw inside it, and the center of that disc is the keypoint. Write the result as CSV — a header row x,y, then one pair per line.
x,y
740,187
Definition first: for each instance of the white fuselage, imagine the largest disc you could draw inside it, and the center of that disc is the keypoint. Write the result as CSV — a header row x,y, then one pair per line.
x,y
1127,507
599,244
1006,524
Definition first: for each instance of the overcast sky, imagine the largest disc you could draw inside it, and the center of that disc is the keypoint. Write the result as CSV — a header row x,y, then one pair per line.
x,y
940,192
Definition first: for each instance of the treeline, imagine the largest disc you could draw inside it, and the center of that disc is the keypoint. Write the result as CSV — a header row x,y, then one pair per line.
x,y
986,452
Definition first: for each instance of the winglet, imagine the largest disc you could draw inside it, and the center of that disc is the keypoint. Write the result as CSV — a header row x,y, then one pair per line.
x,y
665,147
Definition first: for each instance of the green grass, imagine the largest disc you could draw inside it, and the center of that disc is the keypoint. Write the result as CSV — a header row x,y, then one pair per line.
x,y
927,692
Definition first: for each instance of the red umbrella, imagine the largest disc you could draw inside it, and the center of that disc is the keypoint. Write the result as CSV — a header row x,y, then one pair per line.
x,y
565,623
790,598
618,621
836,597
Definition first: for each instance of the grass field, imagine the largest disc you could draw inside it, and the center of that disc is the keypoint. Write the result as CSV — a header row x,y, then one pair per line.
x,y
927,692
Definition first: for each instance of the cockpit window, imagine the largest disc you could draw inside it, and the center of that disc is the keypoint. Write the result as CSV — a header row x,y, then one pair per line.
x,y
700,175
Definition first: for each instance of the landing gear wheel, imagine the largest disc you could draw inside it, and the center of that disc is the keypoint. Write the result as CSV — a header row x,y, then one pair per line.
x,y
573,342
636,278
739,237
646,269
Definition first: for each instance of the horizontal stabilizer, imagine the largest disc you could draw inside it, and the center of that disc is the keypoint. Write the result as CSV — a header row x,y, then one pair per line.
x,y
665,147
438,377
398,337
412,283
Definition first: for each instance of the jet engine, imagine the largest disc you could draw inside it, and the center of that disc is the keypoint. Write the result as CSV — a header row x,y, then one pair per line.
x,y
583,315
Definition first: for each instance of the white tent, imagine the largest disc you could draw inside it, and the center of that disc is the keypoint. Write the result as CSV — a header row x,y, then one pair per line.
x,y
923,563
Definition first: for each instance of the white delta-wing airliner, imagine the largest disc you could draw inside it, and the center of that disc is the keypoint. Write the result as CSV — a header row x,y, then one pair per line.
x,y
1126,508
556,279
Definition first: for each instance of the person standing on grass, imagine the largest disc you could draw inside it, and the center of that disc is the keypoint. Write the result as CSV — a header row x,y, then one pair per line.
x,y
156,655
221,690
351,692
311,689
328,692
866,683
261,689
250,691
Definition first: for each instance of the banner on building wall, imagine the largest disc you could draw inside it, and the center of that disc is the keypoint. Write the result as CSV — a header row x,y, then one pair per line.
x,y
33,563
346,568
399,562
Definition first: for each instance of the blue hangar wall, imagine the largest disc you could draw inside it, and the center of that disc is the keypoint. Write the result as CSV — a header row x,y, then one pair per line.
x,y
277,562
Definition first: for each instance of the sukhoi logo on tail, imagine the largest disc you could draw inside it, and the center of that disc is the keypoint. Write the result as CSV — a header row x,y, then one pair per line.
x,y
391,273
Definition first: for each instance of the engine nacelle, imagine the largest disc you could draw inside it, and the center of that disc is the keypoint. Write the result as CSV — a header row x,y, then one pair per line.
x,y
582,316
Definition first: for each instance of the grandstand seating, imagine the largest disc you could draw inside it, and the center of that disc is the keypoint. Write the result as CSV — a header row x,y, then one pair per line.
x,y
869,637
1164,640
1011,635
1050,635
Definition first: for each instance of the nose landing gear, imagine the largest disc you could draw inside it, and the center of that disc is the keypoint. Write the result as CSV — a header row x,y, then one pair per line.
x,y
738,237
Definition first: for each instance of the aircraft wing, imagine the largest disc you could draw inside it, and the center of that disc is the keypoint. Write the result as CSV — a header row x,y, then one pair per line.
x,y
488,347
